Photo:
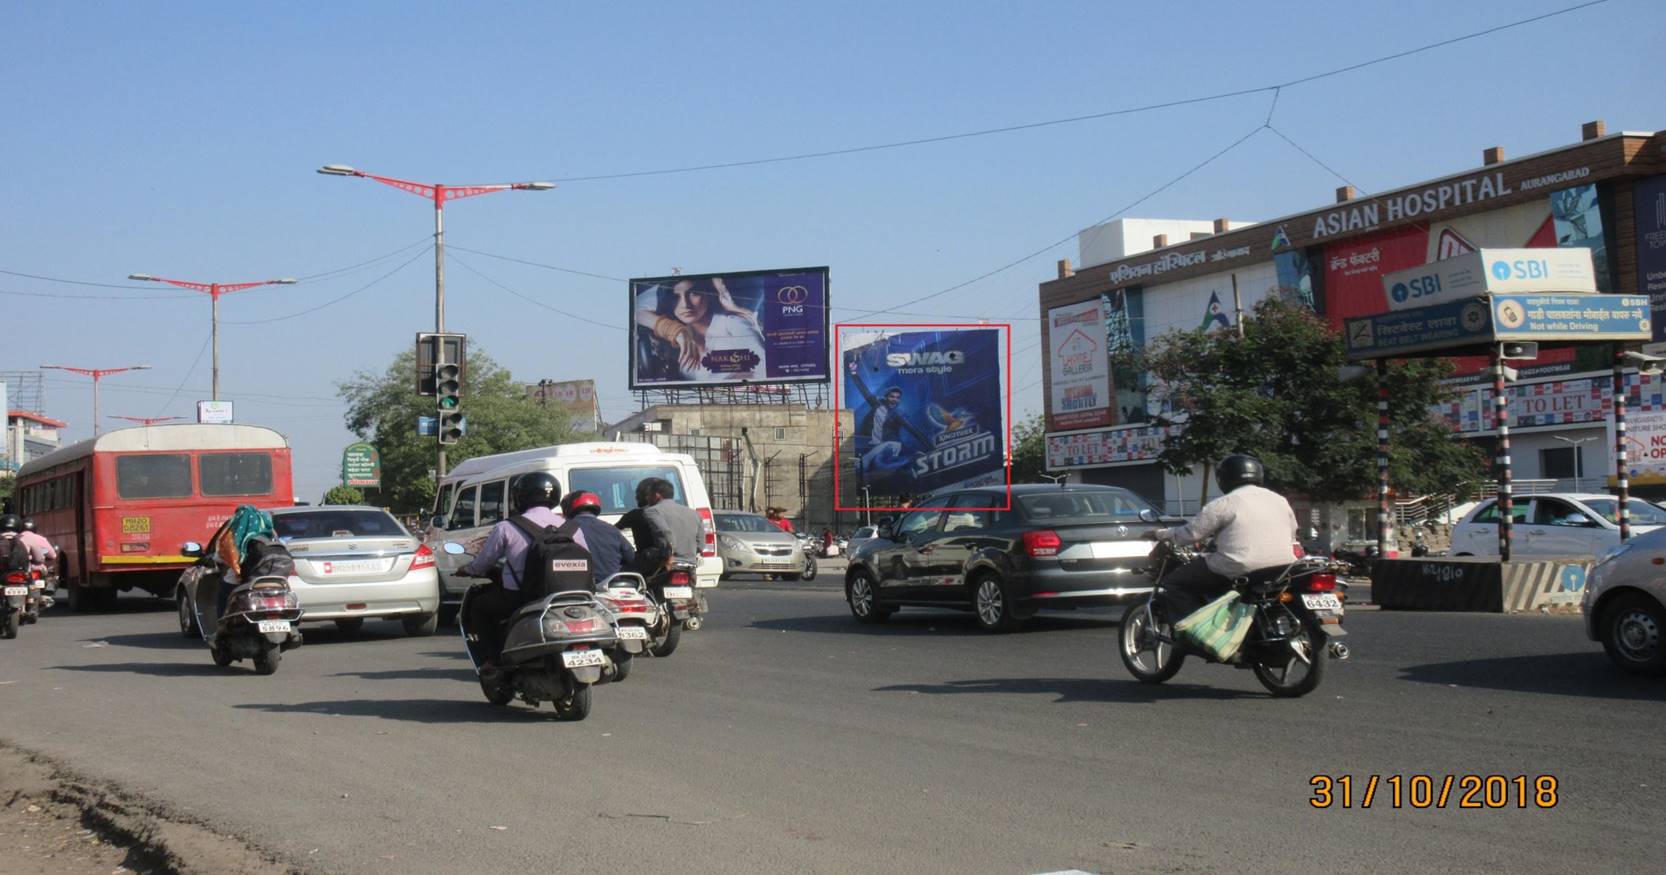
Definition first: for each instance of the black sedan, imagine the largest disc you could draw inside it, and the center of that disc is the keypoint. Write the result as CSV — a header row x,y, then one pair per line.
x,y
1054,547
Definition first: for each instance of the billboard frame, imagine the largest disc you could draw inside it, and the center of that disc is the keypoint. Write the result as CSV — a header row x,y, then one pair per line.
x,y
826,328
838,355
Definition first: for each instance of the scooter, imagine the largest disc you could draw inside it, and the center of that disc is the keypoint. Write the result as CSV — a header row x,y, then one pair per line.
x,y
38,599
259,622
633,613
554,649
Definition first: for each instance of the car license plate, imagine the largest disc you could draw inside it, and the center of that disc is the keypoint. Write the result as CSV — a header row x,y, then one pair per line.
x,y
17,590
352,566
1322,602
581,658
267,627
633,633
679,592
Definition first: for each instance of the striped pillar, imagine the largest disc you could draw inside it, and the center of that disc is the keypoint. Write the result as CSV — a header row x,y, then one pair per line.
x,y
1501,421
1621,474
1383,518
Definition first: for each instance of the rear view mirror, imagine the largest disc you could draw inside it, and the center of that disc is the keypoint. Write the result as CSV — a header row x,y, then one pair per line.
x,y
191,549
1147,515
438,521
453,548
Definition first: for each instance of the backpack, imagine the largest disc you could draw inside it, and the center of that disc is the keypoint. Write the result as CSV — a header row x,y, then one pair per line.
x,y
554,561
14,556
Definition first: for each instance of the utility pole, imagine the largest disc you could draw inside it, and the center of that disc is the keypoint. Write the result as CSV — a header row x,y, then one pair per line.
x,y
97,374
214,291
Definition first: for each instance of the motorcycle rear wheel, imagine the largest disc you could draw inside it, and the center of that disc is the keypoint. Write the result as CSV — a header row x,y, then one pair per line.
x,y
8,625
576,708
665,640
222,656
1150,661
267,661
1296,678
622,666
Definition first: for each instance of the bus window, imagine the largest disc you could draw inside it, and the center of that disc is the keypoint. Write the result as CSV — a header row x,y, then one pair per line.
x,y
491,503
152,476
235,473
462,514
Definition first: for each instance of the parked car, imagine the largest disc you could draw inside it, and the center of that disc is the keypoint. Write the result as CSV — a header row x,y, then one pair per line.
x,y
1554,524
862,535
751,544
1625,604
1056,547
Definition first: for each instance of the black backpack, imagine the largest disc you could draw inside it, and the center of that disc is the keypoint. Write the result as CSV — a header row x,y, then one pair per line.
x,y
554,561
14,556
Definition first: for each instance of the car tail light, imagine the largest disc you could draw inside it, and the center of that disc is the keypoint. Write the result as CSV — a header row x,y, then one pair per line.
x,y
1042,543
424,558
709,528
1323,581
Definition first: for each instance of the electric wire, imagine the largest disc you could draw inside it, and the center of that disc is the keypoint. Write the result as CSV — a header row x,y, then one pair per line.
x,y
1315,159
330,303
534,301
187,378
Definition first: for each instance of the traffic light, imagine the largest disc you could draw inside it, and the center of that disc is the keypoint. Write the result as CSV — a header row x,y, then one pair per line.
x,y
448,386
451,426
433,348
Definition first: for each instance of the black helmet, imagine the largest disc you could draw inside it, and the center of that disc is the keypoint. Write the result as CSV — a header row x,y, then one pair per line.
x,y
1239,470
28,524
535,489
11,522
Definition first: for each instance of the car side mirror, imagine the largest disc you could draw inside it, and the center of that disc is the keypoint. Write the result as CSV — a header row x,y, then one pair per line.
x,y
1147,515
454,548
438,521
884,531
191,549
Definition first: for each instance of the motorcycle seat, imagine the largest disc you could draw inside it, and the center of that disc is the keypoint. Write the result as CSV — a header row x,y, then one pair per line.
x,y
1262,579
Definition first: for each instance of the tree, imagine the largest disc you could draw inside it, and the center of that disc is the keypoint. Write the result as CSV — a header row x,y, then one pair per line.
x,y
1029,450
383,409
343,495
1280,393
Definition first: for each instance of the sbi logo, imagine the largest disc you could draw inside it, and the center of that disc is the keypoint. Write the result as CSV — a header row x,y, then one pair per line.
x,y
1417,287
1521,269
1400,293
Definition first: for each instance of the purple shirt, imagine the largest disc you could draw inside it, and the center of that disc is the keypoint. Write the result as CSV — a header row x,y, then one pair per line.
x,y
509,543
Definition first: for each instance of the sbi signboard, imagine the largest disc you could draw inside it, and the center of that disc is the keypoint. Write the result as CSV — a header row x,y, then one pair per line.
x,y
1489,271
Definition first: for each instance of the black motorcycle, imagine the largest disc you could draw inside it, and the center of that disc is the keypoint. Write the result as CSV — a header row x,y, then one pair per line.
x,y
1295,627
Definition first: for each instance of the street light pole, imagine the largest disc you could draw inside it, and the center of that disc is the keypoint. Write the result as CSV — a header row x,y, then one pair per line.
x,y
97,374
439,194
214,291
1578,480
147,420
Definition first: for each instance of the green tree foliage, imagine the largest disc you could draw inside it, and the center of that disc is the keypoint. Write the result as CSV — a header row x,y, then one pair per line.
x,y
383,409
1280,393
343,495
1029,450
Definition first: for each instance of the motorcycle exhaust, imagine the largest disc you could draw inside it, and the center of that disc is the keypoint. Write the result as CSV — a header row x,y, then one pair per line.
x,y
1339,651
692,624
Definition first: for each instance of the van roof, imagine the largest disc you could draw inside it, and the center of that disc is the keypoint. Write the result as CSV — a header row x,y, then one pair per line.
x,y
592,450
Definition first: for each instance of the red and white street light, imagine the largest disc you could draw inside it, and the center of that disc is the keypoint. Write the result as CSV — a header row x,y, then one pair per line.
x,y
97,374
439,194
214,291
148,420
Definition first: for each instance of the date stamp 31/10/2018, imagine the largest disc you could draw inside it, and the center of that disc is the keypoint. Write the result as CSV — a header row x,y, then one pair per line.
x,y
1434,791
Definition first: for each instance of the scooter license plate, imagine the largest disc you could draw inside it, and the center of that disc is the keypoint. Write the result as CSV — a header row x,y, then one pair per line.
x,y
633,633
16,590
1321,602
267,627
679,592
581,658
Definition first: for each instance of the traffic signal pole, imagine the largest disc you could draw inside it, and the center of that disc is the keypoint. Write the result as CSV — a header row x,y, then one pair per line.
x,y
439,318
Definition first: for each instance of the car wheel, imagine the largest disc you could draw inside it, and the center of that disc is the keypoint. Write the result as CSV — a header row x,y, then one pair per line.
x,y
448,614
420,625
863,597
1634,634
187,617
992,605
350,625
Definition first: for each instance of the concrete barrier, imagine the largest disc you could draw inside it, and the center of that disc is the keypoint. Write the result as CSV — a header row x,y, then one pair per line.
x,y
1480,584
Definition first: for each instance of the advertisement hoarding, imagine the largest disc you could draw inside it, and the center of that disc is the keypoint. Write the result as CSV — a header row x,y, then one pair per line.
x,y
1081,366
214,412
361,466
927,408
766,326
1649,221
1110,446
1490,271
576,397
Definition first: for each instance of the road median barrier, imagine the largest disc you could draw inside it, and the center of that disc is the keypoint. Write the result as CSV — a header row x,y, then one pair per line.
x,y
1473,583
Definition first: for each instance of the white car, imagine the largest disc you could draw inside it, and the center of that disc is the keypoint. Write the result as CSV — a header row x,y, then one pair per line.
x,y
358,563
1554,524
1625,604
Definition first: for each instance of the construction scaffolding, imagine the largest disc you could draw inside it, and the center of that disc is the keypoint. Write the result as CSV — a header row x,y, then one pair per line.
x,y
811,396
25,390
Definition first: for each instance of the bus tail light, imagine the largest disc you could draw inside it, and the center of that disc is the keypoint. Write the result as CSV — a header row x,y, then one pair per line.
x,y
424,558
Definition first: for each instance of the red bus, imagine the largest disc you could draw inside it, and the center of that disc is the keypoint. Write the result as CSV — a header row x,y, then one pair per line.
x,y
121,505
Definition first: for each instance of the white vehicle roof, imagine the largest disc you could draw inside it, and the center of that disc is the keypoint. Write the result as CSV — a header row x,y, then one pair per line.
x,y
563,455
161,438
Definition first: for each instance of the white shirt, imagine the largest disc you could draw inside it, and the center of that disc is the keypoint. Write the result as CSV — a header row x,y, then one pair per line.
x,y
726,331
1253,528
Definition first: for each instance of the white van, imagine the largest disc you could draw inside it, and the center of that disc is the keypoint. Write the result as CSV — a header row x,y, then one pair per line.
x,y
474,496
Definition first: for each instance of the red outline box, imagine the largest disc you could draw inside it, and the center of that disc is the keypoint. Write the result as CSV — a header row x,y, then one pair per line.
x,y
839,381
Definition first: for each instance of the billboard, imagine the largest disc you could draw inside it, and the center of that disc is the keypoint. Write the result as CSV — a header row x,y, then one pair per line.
x,y
1649,224
576,397
927,407
762,326
1081,366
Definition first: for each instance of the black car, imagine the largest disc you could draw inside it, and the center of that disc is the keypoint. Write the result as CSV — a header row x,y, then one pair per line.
x,y
1054,547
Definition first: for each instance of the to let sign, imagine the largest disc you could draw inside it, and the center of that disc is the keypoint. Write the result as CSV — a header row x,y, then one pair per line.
x,y
361,466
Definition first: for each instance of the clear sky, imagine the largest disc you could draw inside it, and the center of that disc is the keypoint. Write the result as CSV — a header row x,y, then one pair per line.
x,y
180,139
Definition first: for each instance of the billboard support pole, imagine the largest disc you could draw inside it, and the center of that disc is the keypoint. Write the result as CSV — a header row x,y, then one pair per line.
x,y
1622,477
1382,459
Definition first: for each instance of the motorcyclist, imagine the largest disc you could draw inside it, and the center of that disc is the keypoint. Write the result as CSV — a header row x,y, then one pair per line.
x,y
610,551
651,525
14,552
41,551
532,495
1253,527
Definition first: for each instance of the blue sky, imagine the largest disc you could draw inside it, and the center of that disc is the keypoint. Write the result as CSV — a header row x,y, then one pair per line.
x,y
180,139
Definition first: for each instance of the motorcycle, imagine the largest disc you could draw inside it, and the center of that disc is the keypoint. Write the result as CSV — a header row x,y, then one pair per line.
x,y
38,599
13,608
633,613
1295,628
260,618
554,649
1359,562
680,607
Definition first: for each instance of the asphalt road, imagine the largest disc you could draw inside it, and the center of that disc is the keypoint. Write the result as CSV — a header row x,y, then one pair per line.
x,y
785,737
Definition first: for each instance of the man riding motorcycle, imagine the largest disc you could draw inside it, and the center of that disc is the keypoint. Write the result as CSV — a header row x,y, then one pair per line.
x,y
663,529
610,551
1253,527
41,551
533,496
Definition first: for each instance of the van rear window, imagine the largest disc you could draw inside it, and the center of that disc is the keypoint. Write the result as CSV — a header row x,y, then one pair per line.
x,y
617,486
153,475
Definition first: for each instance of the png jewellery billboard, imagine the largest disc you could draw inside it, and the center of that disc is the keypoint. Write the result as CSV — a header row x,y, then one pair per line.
x,y
763,326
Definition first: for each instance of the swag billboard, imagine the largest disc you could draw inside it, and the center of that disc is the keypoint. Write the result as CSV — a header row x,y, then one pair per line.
x,y
763,326
927,408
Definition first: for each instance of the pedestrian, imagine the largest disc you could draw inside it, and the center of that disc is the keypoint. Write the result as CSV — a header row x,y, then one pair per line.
x,y
781,522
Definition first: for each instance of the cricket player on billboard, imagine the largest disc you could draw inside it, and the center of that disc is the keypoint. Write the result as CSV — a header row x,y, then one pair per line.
x,y
927,406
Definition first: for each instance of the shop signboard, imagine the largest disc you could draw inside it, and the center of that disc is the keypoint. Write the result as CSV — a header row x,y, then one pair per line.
x,y
1456,325
1490,271
1080,389
361,466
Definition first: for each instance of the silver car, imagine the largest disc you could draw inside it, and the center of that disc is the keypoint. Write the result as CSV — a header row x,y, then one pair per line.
x,y
749,544
1625,604
358,563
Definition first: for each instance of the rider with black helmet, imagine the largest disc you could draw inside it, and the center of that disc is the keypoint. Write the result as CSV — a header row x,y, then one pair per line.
x,y
610,551
1253,527
532,495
